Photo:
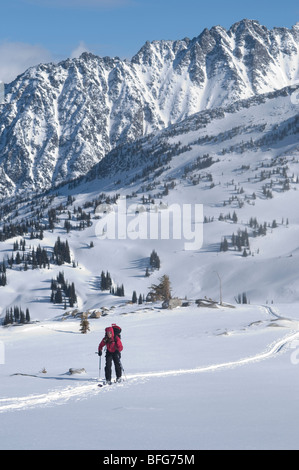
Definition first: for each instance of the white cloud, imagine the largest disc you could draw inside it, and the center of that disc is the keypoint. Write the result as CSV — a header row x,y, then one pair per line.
x,y
16,57
79,50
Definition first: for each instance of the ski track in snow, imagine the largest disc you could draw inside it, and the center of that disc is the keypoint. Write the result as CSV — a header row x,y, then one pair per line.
x,y
61,396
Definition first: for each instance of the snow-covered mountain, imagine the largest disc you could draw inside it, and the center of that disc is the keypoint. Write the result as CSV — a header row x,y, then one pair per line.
x,y
239,161
243,128
61,119
212,121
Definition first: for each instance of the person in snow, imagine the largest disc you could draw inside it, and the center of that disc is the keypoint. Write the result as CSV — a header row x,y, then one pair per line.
x,y
113,349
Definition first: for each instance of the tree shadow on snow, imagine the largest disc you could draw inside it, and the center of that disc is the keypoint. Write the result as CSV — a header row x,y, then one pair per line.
x,y
139,265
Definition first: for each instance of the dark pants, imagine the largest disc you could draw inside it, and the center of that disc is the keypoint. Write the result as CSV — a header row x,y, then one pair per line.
x,y
115,357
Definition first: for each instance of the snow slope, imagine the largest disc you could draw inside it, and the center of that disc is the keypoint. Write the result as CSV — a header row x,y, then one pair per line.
x,y
195,379
240,168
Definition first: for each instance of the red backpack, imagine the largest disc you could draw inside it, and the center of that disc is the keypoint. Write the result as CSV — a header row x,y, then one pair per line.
x,y
117,330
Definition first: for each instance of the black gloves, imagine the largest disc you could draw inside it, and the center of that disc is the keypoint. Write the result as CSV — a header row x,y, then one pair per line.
x,y
100,352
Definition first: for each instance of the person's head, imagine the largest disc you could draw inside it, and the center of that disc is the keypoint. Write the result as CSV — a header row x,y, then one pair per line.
x,y
109,333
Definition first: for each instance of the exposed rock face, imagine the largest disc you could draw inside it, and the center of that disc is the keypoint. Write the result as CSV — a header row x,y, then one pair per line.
x,y
59,120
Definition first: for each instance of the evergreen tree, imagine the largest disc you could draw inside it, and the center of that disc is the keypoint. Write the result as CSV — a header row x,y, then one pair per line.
x,y
84,324
120,291
61,252
161,291
72,295
134,297
103,281
154,260
60,278
6,320
16,314
106,281
27,317
224,245
58,296
3,280
22,317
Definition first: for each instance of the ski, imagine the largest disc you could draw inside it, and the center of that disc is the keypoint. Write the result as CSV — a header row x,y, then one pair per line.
x,y
103,384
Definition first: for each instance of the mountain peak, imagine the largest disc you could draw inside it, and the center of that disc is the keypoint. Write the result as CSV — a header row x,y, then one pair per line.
x,y
245,22
73,113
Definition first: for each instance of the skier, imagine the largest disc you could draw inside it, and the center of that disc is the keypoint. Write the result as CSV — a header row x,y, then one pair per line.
x,y
113,349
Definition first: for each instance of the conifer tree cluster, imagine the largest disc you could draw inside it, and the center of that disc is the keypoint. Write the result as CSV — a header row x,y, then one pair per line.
x,y
62,252
32,227
136,299
35,258
19,245
154,260
3,278
118,290
224,244
15,315
62,291
44,217
259,229
107,284
106,281
239,241
242,298
12,230
233,218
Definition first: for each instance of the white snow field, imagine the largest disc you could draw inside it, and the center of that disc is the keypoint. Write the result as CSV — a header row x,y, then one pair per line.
x,y
195,378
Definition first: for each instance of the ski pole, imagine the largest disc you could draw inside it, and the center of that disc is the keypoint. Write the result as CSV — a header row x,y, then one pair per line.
x,y
100,363
122,368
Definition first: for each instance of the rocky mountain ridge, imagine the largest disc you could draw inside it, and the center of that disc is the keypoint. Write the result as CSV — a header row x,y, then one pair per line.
x,y
59,120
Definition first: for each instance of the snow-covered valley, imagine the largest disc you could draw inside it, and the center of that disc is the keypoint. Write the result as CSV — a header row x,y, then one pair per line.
x,y
195,379
213,197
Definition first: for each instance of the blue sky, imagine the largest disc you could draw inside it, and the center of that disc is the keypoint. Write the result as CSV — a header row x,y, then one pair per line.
x,y
34,31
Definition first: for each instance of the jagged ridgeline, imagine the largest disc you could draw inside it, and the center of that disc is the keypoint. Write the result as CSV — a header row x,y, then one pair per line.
x,y
59,120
